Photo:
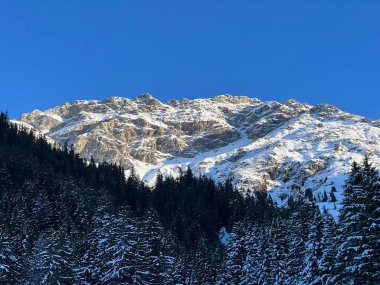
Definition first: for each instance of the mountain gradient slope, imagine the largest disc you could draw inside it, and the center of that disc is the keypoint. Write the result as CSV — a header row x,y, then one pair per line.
x,y
279,147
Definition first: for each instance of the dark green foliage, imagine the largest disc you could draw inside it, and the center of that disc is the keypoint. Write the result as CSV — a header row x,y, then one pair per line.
x,y
194,207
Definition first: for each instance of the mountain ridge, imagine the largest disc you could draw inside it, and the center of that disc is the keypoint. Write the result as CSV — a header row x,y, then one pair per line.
x,y
258,144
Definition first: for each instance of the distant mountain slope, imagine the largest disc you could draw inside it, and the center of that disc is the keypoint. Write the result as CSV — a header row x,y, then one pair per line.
x,y
266,145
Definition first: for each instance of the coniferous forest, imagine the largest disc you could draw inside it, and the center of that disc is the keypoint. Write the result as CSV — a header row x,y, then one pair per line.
x,y
64,220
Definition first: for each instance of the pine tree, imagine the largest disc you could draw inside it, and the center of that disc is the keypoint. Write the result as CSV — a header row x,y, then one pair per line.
x,y
325,198
205,263
236,254
354,260
154,262
51,260
297,234
311,273
10,267
327,262
280,252
371,256
115,260
252,242
265,275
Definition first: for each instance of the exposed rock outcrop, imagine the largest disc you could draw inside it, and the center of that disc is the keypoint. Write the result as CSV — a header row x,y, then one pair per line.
x,y
258,144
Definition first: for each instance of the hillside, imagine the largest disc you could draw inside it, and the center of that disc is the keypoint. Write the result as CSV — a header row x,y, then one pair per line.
x,y
279,147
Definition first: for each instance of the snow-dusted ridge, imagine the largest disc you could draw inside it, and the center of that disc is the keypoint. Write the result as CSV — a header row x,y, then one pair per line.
x,y
266,145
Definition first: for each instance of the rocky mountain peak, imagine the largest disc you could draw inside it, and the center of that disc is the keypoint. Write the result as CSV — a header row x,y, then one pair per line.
x,y
292,102
115,99
148,99
227,98
31,116
259,145
144,97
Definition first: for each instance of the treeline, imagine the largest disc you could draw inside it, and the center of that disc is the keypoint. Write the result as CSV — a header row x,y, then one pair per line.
x,y
64,220
189,206
57,211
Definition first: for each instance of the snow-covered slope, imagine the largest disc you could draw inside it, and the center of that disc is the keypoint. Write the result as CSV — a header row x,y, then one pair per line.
x,y
259,145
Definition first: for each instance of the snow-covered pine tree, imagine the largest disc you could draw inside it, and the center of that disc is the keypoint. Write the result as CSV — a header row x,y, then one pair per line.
x,y
264,274
16,232
205,262
280,252
51,259
41,210
327,262
353,249
115,260
371,256
155,265
297,233
251,266
236,254
87,251
311,273
9,261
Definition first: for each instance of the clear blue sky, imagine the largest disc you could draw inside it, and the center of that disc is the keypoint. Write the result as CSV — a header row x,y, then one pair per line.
x,y
52,52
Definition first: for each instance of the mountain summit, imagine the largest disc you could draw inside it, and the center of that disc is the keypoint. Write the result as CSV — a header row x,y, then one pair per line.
x,y
259,145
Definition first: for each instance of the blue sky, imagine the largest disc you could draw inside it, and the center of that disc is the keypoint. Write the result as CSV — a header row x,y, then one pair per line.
x,y
52,52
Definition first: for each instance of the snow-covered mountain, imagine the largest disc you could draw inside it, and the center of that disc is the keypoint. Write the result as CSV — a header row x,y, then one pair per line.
x,y
259,145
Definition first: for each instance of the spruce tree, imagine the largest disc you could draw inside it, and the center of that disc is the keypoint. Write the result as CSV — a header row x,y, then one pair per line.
x,y
236,254
116,257
327,262
10,267
354,262
371,256
251,268
153,253
51,260
311,273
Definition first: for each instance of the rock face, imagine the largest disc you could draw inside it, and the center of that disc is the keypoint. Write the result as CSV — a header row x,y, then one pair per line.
x,y
259,145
